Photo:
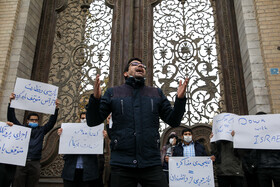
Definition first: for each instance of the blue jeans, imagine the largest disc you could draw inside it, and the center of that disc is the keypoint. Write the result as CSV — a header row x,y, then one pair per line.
x,y
130,177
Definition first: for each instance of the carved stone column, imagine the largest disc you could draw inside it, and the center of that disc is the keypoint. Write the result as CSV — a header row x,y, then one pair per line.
x,y
132,36
235,95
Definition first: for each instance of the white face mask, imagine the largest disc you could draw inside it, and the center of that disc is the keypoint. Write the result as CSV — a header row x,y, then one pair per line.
x,y
188,138
83,120
171,140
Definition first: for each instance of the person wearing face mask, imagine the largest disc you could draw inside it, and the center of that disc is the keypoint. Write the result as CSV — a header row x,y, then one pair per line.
x,y
29,174
188,147
168,148
82,170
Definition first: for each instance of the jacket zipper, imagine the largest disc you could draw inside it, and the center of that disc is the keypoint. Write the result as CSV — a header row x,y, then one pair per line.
x,y
122,105
152,104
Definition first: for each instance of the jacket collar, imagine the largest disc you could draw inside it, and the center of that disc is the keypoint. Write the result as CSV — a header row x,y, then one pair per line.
x,y
135,82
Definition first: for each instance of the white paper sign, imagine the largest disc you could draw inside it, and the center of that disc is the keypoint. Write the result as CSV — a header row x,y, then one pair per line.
x,y
191,172
34,96
79,138
257,132
222,127
14,142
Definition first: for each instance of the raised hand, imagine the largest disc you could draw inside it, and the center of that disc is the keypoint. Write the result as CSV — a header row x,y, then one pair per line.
x,y
182,88
12,96
97,89
9,123
59,131
57,103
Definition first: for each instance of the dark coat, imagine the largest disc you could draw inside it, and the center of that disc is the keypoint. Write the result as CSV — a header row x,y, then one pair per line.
x,y
268,158
90,167
199,150
136,109
228,159
37,134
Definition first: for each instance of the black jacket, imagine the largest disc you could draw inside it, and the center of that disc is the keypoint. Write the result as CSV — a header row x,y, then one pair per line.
x,y
37,134
228,160
136,109
199,150
90,167
268,158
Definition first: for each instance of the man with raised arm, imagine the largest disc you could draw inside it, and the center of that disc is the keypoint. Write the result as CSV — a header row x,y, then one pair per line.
x,y
135,140
29,174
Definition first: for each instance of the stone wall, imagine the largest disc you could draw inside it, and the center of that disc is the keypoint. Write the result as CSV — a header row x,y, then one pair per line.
x,y
20,35
252,60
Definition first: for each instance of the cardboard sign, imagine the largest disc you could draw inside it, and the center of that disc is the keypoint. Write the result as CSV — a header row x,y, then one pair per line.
x,y
257,132
191,172
34,96
14,142
222,127
78,138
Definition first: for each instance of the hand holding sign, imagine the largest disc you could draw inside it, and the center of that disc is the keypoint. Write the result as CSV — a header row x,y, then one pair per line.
x,y
34,96
14,141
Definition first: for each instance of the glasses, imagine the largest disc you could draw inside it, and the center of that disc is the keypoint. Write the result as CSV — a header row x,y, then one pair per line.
x,y
138,64
34,120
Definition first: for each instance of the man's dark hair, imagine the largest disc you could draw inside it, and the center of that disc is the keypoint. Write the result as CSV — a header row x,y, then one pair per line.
x,y
186,130
32,114
82,114
130,60
261,113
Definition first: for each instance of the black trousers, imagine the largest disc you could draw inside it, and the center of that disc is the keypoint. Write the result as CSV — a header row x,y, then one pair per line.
x,y
78,181
267,175
28,175
131,177
230,181
7,173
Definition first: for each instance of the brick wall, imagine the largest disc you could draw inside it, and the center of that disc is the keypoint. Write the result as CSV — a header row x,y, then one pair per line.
x,y
268,21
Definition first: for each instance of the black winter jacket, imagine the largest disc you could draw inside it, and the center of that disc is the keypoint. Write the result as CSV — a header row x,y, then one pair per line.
x,y
199,150
268,158
228,160
136,109
90,167
37,134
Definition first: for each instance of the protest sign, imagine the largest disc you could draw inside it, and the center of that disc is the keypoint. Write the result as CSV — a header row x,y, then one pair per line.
x,y
14,143
191,171
78,138
222,127
34,96
257,132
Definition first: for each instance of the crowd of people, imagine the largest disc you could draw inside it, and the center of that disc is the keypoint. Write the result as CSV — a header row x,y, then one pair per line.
x,y
136,159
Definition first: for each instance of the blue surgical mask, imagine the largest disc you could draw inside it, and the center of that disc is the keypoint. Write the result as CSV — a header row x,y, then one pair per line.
x,y
33,125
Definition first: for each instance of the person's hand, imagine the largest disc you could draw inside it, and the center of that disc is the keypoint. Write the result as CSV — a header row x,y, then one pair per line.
x,y
9,123
12,96
232,133
211,135
59,131
97,89
213,158
105,134
182,88
57,103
